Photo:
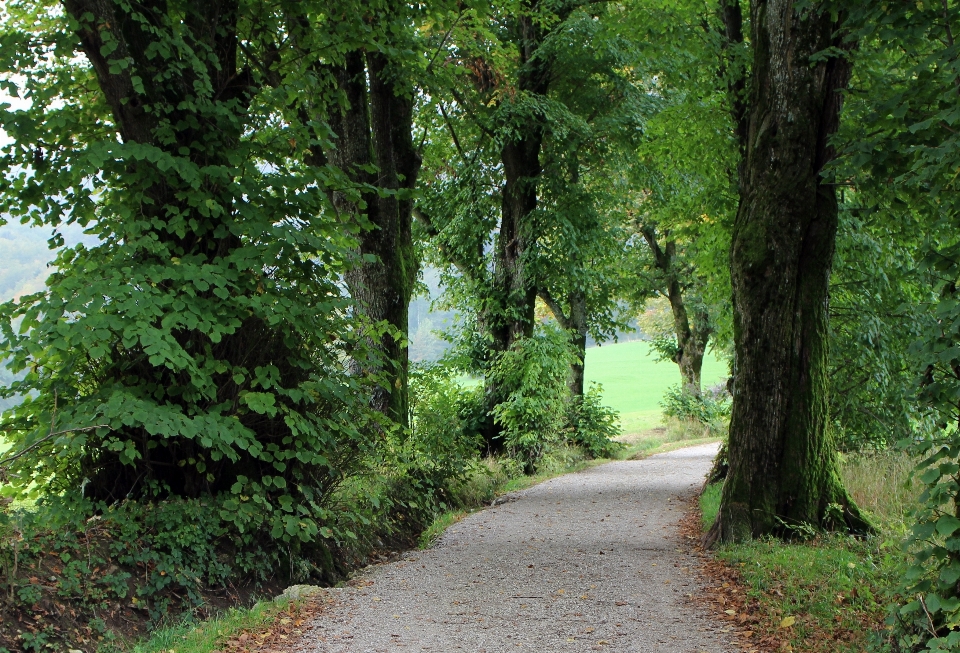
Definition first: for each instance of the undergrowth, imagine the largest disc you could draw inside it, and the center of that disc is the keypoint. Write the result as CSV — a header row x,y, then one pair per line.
x,y
85,575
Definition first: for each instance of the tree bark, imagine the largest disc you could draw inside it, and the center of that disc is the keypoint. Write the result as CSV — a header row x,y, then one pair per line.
x,y
782,467
375,128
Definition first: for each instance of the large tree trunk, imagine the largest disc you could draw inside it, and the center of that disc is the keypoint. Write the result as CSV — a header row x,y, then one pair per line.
x,y
782,467
375,128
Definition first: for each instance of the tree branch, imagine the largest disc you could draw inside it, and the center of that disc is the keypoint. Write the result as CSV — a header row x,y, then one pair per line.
x,y
453,133
555,308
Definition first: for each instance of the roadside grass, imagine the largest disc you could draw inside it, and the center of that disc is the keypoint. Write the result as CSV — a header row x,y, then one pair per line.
x,y
836,588
213,633
672,434
441,523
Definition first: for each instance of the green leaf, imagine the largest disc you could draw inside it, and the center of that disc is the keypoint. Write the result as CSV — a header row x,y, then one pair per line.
x,y
947,524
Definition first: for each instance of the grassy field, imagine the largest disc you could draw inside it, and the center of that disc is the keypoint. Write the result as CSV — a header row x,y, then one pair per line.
x,y
634,383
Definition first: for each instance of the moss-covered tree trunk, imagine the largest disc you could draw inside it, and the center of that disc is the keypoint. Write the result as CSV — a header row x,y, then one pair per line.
x,y
782,465
374,128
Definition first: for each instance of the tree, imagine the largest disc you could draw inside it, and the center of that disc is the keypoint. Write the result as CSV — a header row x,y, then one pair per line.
x,y
678,285
597,122
567,92
371,119
681,201
499,112
904,172
196,349
782,461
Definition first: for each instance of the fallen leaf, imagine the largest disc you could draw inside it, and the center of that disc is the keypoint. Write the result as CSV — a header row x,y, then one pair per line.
x,y
730,611
788,621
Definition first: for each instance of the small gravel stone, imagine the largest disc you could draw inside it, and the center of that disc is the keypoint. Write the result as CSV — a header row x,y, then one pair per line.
x,y
586,561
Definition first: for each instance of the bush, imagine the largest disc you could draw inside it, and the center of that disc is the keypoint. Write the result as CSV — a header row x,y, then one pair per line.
x,y
930,618
534,374
594,426
439,448
711,407
66,562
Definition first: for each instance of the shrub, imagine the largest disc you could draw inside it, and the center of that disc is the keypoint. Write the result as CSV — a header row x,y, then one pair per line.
x,y
594,426
149,560
930,618
711,407
534,373
439,448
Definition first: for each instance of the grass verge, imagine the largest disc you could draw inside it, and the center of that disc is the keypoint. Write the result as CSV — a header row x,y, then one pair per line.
x,y
442,522
278,623
826,595
670,435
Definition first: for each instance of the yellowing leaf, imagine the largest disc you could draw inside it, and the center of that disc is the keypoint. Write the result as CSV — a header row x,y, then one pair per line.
x,y
730,612
788,621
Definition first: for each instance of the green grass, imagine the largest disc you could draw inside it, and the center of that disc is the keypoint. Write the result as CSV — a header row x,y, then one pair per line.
x,y
672,434
634,382
442,522
836,587
210,634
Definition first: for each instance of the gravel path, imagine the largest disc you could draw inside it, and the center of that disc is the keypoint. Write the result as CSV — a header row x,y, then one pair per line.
x,y
581,562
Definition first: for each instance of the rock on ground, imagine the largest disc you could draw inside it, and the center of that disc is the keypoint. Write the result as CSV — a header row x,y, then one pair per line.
x,y
586,561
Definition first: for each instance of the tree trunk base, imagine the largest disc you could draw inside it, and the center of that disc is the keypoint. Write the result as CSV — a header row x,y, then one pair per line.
x,y
840,514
